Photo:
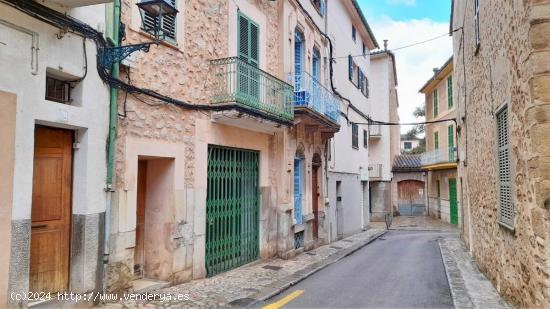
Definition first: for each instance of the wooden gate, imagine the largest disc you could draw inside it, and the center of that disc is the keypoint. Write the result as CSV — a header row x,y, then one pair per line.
x,y
232,208
51,210
411,198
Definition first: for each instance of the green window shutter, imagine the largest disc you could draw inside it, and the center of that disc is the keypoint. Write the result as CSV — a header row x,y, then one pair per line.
x,y
248,40
450,92
506,205
436,104
436,140
354,136
451,139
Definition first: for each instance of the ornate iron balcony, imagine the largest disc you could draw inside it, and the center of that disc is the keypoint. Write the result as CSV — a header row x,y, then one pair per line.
x,y
308,92
237,81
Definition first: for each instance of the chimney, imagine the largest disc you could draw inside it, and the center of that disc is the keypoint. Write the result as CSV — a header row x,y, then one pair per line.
x,y
385,45
436,70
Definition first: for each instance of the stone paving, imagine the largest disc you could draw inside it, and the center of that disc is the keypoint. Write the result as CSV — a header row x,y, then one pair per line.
x,y
421,223
244,285
469,287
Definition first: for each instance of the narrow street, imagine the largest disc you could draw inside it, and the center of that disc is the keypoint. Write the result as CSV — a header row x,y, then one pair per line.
x,y
401,269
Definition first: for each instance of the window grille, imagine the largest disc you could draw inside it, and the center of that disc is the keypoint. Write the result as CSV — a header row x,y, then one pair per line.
x,y
58,90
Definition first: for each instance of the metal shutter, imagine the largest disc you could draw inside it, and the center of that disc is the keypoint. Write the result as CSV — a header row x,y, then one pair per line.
x,y
506,206
168,27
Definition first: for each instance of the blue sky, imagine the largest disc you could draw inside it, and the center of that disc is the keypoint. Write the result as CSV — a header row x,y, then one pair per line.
x,y
404,22
436,10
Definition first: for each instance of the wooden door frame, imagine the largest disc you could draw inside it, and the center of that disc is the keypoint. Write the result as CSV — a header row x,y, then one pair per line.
x,y
69,196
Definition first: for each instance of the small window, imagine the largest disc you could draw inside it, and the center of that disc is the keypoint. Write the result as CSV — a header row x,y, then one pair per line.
x,y
436,140
408,145
365,138
450,92
350,67
355,136
504,181
435,103
353,33
319,6
167,28
359,79
476,23
58,90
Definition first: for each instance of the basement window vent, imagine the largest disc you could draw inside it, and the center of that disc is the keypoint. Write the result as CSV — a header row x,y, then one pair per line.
x,y
62,87
58,90
506,205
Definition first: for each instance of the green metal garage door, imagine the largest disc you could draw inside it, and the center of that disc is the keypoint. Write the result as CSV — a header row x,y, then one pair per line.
x,y
232,208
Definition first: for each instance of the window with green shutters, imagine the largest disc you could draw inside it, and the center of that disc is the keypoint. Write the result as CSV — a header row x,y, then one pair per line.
x,y
451,139
450,92
436,140
506,205
249,50
435,103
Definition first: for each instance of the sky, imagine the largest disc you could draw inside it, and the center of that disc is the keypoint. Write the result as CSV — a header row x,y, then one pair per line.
x,y
403,22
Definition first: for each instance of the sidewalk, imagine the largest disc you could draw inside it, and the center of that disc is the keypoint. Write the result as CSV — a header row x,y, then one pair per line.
x,y
469,287
258,281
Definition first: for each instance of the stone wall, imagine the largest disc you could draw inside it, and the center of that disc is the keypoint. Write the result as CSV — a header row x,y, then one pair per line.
x,y
510,66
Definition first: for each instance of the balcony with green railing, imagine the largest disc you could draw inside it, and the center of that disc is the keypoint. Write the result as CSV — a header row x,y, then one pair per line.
x,y
238,82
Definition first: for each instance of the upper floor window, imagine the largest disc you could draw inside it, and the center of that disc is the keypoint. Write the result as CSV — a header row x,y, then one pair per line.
x,y
407,145
168,25
435,103
353,33
450,91
298,57
506,206
476,22
355,136
350,67
436,140
365,138
58,90
319,6
316,63
248,40
364,50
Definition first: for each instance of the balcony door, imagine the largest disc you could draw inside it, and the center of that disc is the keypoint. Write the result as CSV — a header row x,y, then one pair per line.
x,y
248,78
298,59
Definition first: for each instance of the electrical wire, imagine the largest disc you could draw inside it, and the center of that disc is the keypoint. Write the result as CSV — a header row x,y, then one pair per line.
x,y
70,24
384,123
405,46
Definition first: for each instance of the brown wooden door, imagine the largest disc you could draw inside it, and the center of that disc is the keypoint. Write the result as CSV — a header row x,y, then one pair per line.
x,y
51,210
139,256
315,202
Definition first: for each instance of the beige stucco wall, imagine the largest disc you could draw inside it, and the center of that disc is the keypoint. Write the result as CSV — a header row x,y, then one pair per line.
x,y
8,104
510,67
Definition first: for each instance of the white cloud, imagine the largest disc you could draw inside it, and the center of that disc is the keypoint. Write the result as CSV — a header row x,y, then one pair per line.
x,y
414,64
402,2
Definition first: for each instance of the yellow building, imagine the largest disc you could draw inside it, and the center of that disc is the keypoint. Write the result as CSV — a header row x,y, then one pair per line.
x,y
440,158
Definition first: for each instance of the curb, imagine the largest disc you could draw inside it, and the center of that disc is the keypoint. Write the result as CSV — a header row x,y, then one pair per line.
x,y
313,268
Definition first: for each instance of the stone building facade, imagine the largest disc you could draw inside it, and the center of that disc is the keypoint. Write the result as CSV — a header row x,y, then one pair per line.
x,y
440,159
501,77
228,144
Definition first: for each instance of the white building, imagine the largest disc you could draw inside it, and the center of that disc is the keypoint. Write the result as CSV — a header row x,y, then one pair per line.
x,y
53,131
352,40
383,139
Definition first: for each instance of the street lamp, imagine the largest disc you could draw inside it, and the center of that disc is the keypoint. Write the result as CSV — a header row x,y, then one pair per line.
x,y
150,10
155,10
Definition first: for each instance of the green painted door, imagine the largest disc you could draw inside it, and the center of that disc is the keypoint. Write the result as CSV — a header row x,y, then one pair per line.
x,y
453,201
232,208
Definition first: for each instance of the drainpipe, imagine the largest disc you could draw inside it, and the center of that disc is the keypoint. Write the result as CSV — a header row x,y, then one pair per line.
x,y
111,141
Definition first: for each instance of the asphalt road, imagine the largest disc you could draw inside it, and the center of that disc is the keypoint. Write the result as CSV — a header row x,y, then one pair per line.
x,y
402,269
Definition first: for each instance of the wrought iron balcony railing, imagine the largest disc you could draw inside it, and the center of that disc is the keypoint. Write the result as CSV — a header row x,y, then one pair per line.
x,y
375,170
308,92
237,81
445,155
